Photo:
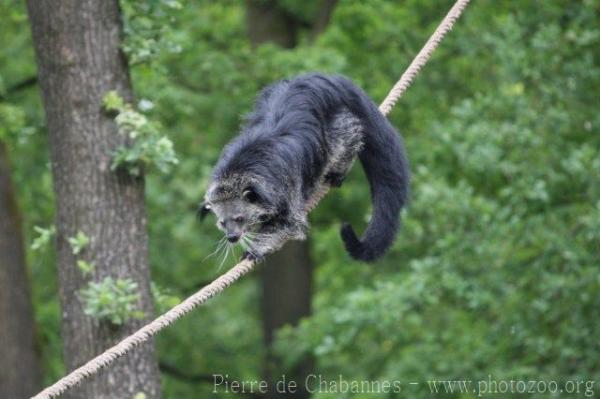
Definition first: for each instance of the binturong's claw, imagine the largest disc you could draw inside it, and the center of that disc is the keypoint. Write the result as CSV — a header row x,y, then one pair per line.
x,y
252,257
245,255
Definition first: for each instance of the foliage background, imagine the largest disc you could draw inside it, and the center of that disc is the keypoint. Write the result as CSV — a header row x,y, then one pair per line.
x,y
495,271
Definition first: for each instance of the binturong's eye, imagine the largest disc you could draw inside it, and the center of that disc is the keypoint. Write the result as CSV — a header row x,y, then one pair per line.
x,y
249,195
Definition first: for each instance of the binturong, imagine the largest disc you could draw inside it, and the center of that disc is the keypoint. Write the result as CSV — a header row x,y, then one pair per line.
x,y
302,138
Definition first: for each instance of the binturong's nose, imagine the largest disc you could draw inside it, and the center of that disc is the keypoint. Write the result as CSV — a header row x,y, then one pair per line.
x,y
233,237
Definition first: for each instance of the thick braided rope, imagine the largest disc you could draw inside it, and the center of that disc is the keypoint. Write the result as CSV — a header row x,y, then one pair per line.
x,y
244,267
421,59
148,331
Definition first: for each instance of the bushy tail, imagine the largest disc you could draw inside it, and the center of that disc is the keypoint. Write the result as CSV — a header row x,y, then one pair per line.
x,y
387,170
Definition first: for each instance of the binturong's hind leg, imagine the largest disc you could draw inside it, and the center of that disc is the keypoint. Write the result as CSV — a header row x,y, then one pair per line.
x,y
335,178
345,142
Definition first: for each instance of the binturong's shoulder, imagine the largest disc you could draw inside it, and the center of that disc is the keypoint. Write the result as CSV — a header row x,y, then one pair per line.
x,y
316,79
320,85
304,96
312,84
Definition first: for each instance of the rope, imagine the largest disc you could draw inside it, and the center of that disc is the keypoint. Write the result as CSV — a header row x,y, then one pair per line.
x,y
421,59
244,267
148,331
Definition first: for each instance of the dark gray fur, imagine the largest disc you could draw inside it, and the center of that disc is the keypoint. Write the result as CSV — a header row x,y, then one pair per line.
x,y
305,134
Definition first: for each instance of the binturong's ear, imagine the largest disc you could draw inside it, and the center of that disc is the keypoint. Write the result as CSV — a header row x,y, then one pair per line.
x,y
203,210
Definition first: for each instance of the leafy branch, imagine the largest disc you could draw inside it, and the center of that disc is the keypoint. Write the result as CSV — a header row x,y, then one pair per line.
x,y
147,29
148,148
113,300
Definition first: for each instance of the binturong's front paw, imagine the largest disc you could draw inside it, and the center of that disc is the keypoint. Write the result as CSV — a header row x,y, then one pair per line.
x,y
253,257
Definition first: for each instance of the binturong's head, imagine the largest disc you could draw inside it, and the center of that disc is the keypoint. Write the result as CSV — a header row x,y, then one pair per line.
x,y
241,205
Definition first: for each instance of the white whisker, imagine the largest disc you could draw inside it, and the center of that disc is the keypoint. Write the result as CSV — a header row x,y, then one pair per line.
x,y
220,244
227,252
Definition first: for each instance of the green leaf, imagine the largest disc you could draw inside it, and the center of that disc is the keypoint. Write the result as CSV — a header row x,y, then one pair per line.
x,y
43,238
112,101
78,243
85,267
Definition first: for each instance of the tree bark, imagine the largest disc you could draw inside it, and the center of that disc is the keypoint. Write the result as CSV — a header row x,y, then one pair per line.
x,y
20,368
77,45
322,18
266,22
286,280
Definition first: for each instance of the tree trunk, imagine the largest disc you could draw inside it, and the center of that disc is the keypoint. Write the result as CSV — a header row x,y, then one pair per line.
x,y
286,280
266,22
20,369
77,44
322,18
